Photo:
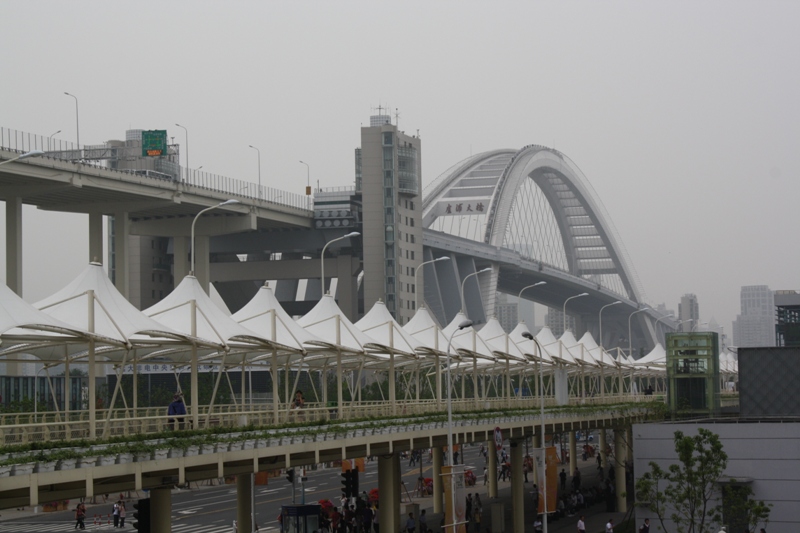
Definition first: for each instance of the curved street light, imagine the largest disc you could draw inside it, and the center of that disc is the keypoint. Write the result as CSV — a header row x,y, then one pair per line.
x,y
630,331
221,204
565,307
416,274
660,319
519,296
308,177
259,169
187,146
50,138
322,255
530,337
463,306
77,124
600,319
463,325
26,155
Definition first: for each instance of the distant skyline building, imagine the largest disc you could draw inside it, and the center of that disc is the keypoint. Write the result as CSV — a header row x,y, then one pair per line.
x,y
554,319
688,310
506,311
389,179
755,325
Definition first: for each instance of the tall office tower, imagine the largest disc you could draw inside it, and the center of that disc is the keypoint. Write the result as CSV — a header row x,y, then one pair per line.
x,y
554,319
688,310
389,179
505,309
755,326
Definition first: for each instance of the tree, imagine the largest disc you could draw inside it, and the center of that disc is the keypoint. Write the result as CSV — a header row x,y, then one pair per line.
x,y
690,494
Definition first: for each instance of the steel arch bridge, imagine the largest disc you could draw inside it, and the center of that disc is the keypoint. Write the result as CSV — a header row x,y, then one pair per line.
x,y
531,215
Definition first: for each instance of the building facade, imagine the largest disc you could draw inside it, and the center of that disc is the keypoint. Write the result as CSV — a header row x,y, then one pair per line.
x,y
755,326
389,180
688,312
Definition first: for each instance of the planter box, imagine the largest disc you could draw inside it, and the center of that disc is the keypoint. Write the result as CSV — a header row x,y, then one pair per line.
x,y
141,457
162,454
66,464
192,450
124,458
249,444
286,441
235,446
208,448
87,460
106,460
5,471
45,466
223,446
23,469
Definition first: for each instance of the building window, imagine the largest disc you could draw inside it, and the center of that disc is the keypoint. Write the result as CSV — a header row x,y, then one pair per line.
x,y
412,254
413,271
412,239
387,138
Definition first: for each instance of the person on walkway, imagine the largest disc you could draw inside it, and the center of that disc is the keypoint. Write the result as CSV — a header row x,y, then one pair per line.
x,y
122,514
375,519
411,525
80,516
299,402
423,522
581,524
645,527
563,476
537,524
115,514
610,526
468,513
485,475
176,412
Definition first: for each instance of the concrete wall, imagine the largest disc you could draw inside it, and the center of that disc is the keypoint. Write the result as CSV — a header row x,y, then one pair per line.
x,y
766,452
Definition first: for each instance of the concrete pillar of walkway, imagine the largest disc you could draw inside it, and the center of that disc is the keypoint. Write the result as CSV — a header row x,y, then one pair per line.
x,y
517,489
122,229
492,468
244,502
161,510
202,251
603,447
180,261
438,487
14,244
620,454
573,454
96,237
388,487
536,442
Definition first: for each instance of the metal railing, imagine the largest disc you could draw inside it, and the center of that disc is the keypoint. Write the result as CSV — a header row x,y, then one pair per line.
x,y
26,428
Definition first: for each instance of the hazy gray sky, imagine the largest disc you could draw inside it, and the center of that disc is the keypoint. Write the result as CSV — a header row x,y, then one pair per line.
x,y
682,115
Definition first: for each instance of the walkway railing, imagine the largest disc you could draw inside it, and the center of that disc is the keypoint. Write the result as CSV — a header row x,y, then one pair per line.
x,y
24,428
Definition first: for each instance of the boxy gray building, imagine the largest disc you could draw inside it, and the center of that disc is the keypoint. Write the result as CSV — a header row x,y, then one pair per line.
x,y
765,453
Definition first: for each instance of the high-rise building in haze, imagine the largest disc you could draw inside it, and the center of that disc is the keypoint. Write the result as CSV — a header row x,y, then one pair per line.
x,y
505,309
554,319
755,326
389,179
689,311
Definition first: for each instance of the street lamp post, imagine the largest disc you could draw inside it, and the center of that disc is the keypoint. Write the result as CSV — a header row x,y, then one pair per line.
x,y
660,319
187,146
26,155
630,331
519,296
50,138
322,255
697,323
259,169
530,337
221,204
416,277
565,306
600,319
308,178
77,124
463,325
463,306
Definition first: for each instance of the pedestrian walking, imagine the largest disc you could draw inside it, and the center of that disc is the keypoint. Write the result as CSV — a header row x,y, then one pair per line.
x,y
411,525
581,524
423,522
122,514
610,526
537,524
645,527
80,516
176,412
115,514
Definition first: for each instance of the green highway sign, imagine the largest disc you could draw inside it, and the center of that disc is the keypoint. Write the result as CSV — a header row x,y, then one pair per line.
x,y
154,143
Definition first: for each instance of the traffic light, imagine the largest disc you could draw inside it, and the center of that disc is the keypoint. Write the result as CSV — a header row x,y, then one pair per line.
x,y
290,476
347,483
141,516
350,483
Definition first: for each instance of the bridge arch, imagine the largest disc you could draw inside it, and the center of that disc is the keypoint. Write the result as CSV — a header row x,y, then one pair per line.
x,y
537,202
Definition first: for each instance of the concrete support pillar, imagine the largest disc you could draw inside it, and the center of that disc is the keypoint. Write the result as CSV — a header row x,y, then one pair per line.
x,y
438,487
517,489
201,260
492,468
14,244
603,447
346,287
573,455
122,226
620,453
244,502
161,510
180,258
388,487
96,237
